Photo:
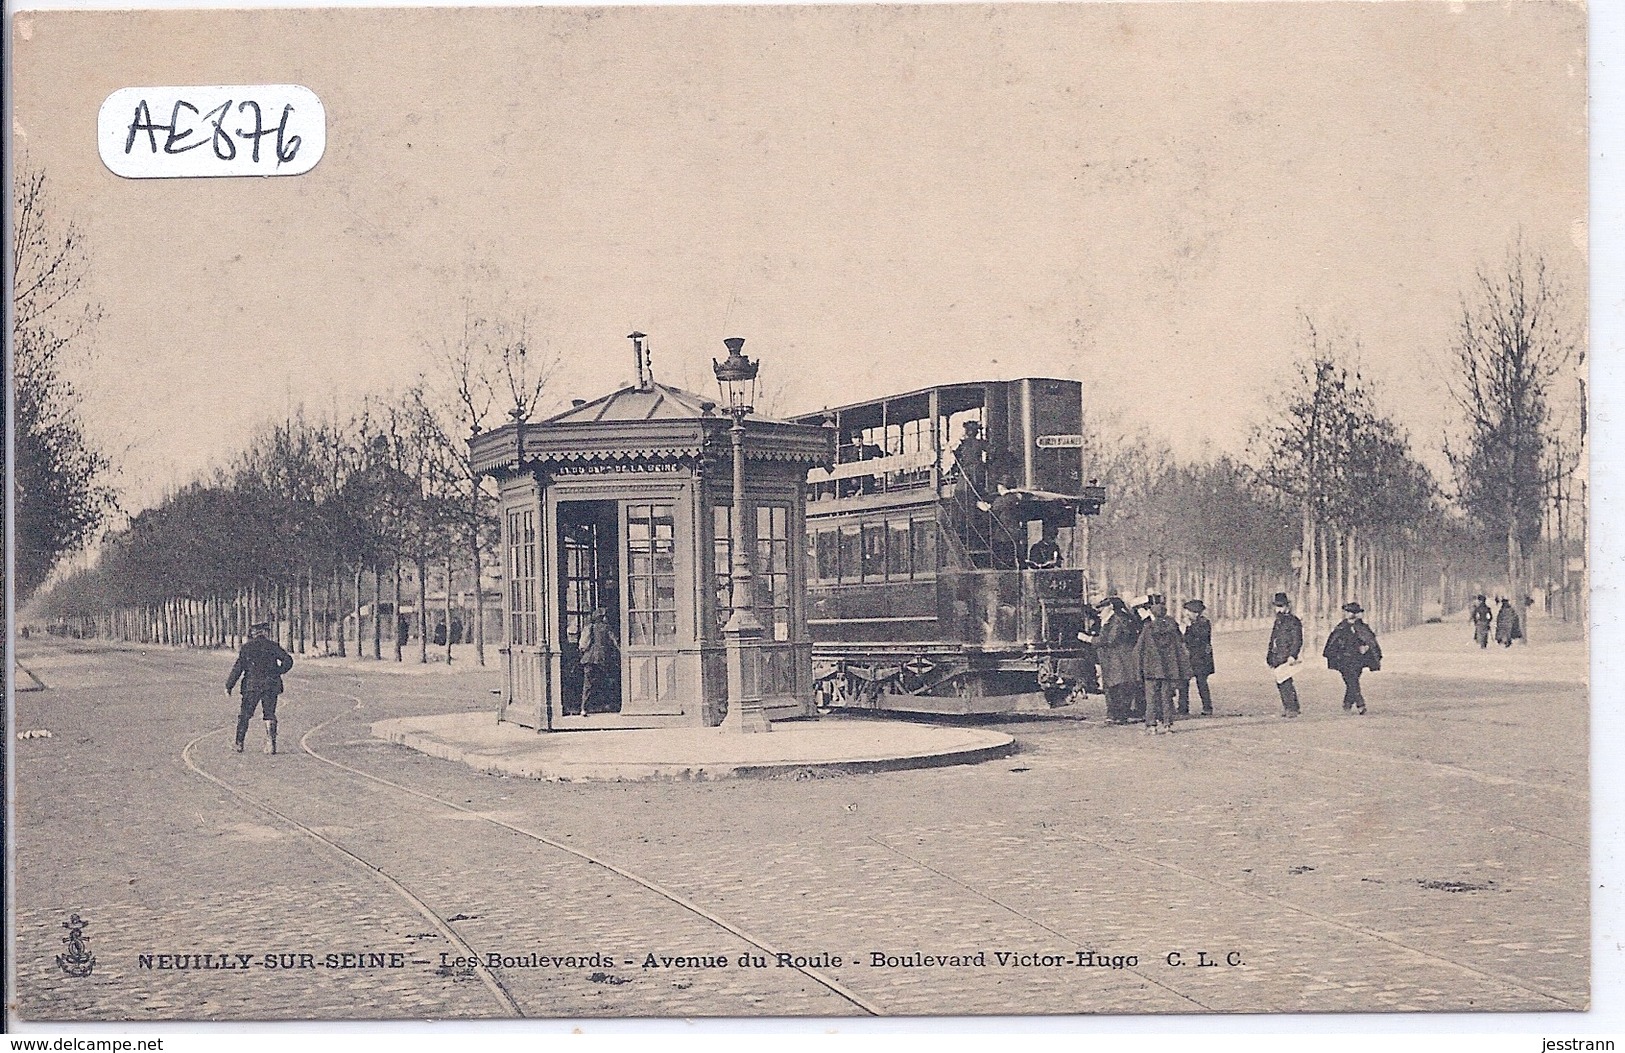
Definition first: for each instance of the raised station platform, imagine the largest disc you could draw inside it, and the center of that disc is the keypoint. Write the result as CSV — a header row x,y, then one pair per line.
x,y
850,745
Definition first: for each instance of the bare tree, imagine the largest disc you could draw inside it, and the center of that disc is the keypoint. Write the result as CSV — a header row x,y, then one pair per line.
x,y
490,365
1516,336
62,494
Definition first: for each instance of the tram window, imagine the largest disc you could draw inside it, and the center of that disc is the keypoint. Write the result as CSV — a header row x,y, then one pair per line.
x,y
825,566
916,435
851,554
874,552
897,550
923,534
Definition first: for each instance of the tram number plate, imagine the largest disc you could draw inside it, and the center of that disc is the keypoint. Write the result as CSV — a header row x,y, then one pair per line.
x,y
1060,442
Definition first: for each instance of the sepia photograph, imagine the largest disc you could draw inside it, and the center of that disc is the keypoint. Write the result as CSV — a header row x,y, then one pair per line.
x,y
956,510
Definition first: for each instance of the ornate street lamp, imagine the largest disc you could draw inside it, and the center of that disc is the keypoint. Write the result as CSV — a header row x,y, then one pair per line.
x,y
736,380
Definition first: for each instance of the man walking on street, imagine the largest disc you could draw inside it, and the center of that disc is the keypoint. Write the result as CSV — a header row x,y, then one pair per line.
x,y
1286,641
1479,614
1199,645
1508,626
1351,649
1163,665
260,665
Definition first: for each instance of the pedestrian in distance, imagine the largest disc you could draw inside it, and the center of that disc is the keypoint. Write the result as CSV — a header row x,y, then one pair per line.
x,y
1351,649
1508,626
1199,645
599,658
261,662
1480,617
1286,642
1163,665
1119,632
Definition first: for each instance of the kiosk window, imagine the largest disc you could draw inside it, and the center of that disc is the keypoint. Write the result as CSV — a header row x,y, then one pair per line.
x,y
522,576
773,568
651,593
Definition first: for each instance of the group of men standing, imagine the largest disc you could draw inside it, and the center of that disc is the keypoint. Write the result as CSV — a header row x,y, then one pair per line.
x,y
1147,661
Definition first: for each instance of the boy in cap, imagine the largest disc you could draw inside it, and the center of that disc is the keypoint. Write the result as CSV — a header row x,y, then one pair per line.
x,y
1286,640
260,665
1351,649
1199,645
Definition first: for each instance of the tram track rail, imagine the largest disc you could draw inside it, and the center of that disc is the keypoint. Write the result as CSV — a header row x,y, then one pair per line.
x,y
494,983
510,1005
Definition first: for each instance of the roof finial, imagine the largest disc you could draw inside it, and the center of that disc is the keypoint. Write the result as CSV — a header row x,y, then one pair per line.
x,y
642,355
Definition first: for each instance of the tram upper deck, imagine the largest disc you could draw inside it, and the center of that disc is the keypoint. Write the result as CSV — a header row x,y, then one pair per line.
x,y
1023,435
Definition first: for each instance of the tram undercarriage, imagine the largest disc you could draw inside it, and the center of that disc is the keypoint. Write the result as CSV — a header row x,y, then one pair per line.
x,y
949,682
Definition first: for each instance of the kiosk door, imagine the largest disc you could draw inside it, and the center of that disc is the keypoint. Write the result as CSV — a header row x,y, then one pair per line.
x,y
652,683
589,576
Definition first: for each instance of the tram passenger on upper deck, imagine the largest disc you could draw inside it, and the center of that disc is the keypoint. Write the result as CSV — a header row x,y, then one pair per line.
x,y
970,457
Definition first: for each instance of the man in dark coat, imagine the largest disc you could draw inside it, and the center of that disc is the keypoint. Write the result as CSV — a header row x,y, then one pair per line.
x,y
1199,645
1115,645
260,665
1479,614
599,658
1508,626
1286,641
1163,664
1351,649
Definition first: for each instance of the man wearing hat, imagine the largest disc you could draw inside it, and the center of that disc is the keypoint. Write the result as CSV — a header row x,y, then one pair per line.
x,y
1163,664
1508,627
260,665
600,661
1351,649
1115,645
1479,615
1286,641
971,457
1199,645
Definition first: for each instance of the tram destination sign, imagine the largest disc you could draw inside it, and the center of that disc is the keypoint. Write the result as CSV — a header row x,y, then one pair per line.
x,y
1060,442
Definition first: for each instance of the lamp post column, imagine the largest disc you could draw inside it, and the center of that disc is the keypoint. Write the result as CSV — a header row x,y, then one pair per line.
x,y
742,635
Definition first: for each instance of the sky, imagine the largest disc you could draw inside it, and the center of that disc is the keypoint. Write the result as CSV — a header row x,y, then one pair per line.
x,y
1149,198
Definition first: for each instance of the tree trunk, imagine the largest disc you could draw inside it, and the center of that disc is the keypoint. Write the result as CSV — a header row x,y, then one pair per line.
x,y
377,613
448,606
479,597
395,618
337,603
423,612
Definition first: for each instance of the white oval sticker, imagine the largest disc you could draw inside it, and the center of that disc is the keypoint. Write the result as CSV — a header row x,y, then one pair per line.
x,y
214,130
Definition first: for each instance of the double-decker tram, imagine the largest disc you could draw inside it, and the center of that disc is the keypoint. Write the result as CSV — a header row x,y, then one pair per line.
x,y
947,548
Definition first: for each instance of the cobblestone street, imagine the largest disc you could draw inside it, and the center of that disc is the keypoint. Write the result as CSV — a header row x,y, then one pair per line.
x,y
1430,856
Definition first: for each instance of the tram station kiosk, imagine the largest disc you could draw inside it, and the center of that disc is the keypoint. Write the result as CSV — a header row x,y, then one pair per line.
x,y
624,505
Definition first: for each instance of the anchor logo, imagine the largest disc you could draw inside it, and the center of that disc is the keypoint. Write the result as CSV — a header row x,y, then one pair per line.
x,y
78,961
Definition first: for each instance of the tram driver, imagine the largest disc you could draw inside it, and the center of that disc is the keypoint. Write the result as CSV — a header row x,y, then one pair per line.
x,y
1044,554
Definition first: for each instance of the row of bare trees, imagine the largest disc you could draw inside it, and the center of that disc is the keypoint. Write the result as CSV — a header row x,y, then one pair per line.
x,y
320,521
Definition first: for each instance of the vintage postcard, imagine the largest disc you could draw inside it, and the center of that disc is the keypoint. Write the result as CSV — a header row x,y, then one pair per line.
x,y
799,511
